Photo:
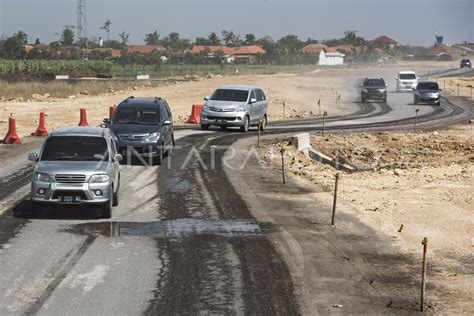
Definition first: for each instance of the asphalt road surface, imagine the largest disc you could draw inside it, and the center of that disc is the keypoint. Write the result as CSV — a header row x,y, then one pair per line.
x,y
182,240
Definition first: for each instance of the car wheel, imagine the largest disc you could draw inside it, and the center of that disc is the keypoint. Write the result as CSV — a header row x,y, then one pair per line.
x,y
245,128
205,127
264,123
415,101
116,196
385,100
106,210
223,128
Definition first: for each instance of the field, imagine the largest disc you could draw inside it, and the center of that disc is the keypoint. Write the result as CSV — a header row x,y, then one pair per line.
x,y
166,71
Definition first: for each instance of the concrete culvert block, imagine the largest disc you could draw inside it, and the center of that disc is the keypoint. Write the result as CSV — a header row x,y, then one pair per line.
x,y
301,142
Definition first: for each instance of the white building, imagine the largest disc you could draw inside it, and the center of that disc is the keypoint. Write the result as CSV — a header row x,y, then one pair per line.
x,y
331,58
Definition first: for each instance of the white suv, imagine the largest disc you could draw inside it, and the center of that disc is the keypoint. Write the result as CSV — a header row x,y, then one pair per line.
x,y
406,81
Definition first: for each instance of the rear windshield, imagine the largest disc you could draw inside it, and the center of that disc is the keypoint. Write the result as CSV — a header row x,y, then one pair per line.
x,y
137,115
374,83
78,148
407,76
427,86
230,95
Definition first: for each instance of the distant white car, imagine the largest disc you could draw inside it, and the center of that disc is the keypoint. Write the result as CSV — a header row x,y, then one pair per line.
x,y
406,81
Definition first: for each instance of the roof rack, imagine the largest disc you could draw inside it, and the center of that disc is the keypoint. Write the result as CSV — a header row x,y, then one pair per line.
x,y
130,97
157,99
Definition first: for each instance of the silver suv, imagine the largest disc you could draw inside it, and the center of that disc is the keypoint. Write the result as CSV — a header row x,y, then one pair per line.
x,y
77,165
241,106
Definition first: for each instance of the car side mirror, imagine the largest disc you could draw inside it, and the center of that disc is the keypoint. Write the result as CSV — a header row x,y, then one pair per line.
x,y
440,90
386,86
118,157
166,123
417,78
33,157
360,86
206,98
106,121
414,89
253,100
396,78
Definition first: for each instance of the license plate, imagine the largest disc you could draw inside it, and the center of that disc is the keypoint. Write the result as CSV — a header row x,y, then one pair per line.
x,y
70,199
221,121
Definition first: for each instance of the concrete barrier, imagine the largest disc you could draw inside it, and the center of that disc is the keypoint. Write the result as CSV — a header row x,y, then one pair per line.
x,y
62,77
301,142
143,77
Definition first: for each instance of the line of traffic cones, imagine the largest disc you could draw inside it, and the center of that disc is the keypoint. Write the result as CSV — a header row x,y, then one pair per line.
x,y
12,136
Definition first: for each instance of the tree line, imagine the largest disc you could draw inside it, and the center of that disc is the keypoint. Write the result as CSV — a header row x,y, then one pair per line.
x,y
286,50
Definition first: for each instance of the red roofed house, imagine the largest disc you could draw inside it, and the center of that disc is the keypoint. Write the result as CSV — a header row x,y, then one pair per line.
x,y
385,40
247,54
331,57
243,54
144,49
314,48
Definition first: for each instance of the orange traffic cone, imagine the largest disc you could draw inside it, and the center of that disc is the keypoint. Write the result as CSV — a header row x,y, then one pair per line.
x,y
12,136
195,117
41,130
83,121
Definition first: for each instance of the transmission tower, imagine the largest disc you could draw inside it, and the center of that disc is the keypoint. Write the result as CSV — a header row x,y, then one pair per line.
x,y
81,24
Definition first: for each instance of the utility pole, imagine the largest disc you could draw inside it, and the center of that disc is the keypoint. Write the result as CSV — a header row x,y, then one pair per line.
x,y
81,25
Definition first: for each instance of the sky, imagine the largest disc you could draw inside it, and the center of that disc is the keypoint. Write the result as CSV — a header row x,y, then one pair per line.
x,y
412,22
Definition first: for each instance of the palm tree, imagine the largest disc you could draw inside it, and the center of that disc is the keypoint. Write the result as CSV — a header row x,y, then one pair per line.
x,y
250,39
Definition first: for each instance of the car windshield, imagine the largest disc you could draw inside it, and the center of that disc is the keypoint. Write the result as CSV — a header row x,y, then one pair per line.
x,y
428,86
407,76
78,148
230,95
132,115
374,83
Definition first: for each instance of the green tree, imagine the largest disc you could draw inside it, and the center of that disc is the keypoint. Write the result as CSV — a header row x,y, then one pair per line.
x,y
231,39
37,41
202,41
67,37
174,42
214,39
152,38
12,48
250,39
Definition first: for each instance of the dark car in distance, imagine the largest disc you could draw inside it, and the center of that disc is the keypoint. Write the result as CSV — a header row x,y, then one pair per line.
x,y
427,92
373,89
143,127
466,63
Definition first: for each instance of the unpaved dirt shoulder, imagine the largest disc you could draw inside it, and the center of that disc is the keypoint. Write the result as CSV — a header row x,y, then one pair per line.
x,y
421,181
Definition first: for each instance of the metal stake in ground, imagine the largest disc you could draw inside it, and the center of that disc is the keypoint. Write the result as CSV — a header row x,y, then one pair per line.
x,y
423,274
260,123
282,151
284,110
470,86
458,88
335,200
416,118
319,105
339,101
324,121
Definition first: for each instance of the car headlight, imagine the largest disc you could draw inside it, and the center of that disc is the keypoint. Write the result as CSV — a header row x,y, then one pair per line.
x,y
43,177
99,178
365,90
241,108
381,90
152,138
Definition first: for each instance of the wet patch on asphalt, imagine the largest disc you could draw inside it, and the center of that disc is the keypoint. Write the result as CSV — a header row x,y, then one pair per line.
x,y
173,229
10,225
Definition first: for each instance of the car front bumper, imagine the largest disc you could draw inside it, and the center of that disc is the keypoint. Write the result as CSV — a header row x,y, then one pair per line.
x,y
53,191
223,118
374,95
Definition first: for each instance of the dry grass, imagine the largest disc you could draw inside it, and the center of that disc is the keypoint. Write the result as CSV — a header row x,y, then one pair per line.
x,y
26,90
